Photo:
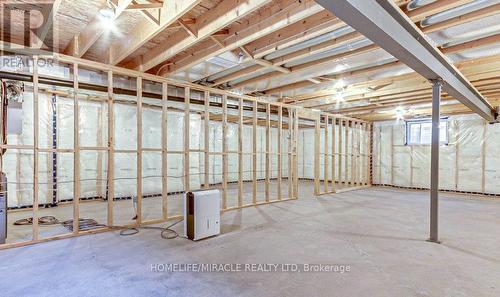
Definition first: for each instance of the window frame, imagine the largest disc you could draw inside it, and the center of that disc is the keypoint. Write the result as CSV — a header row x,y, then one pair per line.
x,y
409,123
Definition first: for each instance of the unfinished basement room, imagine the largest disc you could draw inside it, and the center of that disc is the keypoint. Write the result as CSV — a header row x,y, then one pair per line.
x,y
250,148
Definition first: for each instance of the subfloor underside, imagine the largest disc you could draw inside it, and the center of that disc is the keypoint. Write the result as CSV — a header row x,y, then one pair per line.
x,y
380,233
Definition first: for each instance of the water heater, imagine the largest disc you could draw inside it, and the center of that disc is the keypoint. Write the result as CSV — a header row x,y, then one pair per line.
x,y
201,214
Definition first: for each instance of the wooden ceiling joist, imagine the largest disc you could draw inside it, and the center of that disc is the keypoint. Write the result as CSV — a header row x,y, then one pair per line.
x,y
422,11
49,13
92,32
286,13
476,67
416,15
216,19
144,31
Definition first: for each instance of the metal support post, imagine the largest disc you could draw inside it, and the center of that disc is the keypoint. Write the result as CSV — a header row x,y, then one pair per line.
x,y
436,101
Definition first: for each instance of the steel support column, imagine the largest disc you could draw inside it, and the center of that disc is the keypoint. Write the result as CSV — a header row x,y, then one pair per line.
x,y
436,101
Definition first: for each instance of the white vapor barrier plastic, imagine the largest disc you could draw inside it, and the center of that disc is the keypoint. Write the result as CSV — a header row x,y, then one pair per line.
x,y
18,164
306,153
469,162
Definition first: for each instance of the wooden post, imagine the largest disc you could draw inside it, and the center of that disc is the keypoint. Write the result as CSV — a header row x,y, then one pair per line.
x,y
35,148
207,140
76,154
346,147
326,156
240,153
353,153
268,147
334,120
111,149
483,158
392,155
280,150
254,155
341,157
295,154
369,154
187,97
164,156
224,152
457,153
316,155
139,150
290,153
380,154
99,143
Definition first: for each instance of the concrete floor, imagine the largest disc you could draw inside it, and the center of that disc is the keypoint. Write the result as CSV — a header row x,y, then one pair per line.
x,y
124,211
379,232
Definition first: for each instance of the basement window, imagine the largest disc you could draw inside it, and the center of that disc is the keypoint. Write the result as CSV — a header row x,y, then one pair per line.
x,y
420,132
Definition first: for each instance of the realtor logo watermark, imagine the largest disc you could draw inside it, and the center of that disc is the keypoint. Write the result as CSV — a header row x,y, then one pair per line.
x,y
27,29
251,267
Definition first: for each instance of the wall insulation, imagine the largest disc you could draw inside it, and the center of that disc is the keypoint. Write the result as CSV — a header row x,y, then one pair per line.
x,y
18,164
470,162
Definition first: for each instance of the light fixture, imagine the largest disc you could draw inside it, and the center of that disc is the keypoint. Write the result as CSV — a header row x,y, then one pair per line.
x,y
339,84
107,13
339,96
107,16
241,56
400,113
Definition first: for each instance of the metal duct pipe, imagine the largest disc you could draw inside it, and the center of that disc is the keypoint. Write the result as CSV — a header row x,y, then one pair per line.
x,y
418,3
457,11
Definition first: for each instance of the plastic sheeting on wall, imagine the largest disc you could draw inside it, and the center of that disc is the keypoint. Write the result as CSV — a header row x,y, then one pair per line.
x,y
468,163
18,164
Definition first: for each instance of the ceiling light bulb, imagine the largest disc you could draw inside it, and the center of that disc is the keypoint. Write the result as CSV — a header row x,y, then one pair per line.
x,y
107,13
339,97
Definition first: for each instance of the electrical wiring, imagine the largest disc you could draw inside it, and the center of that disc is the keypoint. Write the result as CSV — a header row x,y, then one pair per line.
x,y
165,231
88,224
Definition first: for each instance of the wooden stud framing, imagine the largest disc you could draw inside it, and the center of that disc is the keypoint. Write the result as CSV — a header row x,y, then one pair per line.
x,y
280,151
295,156
483,158
290,153
35,148
224,152
352,174
254,153
334,120
457,154
139,150
111,153
348,154
240,153
111,72
76,154
268,148
207,139
392,155
350,163
341,156
316,156
187,97
326,156
164,156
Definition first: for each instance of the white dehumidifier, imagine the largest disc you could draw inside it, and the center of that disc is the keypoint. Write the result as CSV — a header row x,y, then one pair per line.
x,y
201,214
